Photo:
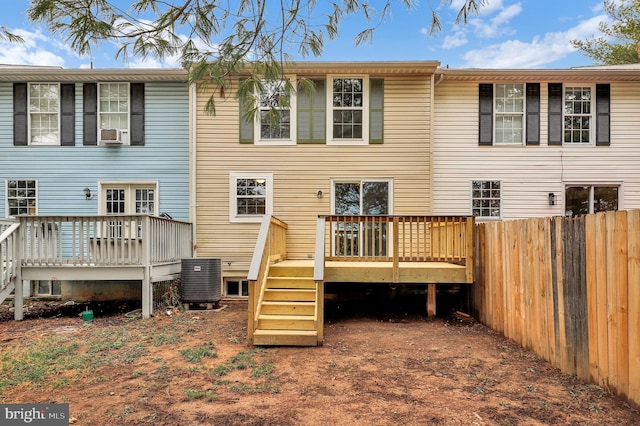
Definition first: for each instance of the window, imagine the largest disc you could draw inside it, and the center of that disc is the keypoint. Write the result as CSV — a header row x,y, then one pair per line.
x,y
113,105
348,106
22,197
48,288
236,287
577,115
486,198
585,199
44,106
251,196
509,116
275,122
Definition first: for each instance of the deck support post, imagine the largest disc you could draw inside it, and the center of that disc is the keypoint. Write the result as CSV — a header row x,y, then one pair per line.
x,y
431,300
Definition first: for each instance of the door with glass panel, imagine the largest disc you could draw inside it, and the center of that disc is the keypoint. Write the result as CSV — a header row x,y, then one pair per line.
x,y
126,200
357,236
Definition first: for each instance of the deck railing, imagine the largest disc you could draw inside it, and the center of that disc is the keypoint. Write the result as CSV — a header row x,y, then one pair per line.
x,y
8,264
110,240
270,247
396,239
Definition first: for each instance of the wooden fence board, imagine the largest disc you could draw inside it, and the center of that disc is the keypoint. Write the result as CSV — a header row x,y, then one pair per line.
x,y
612,298
633,291
592,301
602,319
621,265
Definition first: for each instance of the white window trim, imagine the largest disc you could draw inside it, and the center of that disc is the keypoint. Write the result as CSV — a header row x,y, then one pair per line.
x,y
360,180
365,111
6,195
233,205
486,218
125,133
233,296
293,121
129,186
57,142
617,184
496,114
592,128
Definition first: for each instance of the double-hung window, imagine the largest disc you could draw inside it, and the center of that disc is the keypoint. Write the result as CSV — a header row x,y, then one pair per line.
x,y
44,109
275,122
113,112
22,197
578,119
347,104
250,196
486,196
509,114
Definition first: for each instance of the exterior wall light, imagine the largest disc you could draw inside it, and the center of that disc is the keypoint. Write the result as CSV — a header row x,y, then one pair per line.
x,y
319,194
87,193
552,199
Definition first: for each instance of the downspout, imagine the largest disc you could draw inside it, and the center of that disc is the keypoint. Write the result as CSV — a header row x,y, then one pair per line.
x,y
193,109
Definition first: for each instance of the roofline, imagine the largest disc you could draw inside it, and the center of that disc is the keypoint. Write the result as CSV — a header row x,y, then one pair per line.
x,y
523,75
27,73
367,67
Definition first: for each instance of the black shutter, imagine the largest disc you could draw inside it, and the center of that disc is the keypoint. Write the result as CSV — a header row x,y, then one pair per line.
x,y
136,130
67,114
90,114
20,136
533,114
485,92
603,117
555,114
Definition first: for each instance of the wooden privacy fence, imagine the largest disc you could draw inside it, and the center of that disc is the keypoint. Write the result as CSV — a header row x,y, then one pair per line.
x,y
569,290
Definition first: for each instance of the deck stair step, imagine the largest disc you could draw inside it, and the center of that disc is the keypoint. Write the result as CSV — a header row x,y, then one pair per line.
x,y
287,314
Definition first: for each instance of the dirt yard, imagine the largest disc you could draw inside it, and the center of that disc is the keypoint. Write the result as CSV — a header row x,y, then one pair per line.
x,y
195,368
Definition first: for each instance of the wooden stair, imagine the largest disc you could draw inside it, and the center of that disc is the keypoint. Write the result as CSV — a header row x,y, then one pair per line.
x,y
288,313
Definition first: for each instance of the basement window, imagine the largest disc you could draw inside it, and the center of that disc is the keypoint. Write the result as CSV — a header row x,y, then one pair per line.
x,y
235,287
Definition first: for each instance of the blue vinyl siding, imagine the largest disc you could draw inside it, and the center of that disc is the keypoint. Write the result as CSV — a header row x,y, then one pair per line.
x,y
63,171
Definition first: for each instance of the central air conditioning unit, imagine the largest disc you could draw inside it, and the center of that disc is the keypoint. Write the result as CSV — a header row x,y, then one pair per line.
x,y
110,137
201,280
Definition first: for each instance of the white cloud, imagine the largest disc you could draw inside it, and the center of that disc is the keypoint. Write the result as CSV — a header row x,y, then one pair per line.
x,y
456,40
540,51
36,50
499,24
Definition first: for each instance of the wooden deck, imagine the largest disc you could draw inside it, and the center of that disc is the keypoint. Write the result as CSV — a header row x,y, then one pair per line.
x,y
286,296
92,248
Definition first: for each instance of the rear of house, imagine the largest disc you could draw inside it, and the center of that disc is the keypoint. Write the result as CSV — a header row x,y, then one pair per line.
x,y
80,142
358,144
530,143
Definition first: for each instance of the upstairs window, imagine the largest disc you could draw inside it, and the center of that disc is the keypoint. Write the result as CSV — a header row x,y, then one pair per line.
x,y
577,115
509,117
113,105
348,111
22,197
275,122
44,108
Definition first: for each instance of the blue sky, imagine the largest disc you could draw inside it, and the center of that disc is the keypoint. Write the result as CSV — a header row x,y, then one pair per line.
x,y
506,34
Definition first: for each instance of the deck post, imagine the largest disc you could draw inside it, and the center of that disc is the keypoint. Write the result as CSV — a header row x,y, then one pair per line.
x,y
18,290
431,300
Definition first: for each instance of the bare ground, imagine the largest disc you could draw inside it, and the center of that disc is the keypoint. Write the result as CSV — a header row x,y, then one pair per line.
x,y
393,369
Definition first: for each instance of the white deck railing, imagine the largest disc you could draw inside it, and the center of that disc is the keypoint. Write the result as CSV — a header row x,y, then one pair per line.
x,y
8,264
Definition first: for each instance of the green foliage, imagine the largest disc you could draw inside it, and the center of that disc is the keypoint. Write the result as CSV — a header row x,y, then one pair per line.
x,y
216,40
197,354
621,37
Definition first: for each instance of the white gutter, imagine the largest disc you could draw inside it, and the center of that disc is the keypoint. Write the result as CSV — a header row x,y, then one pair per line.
x,y
193,204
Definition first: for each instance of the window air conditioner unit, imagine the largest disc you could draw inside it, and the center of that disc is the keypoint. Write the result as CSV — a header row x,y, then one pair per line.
x,y
110,137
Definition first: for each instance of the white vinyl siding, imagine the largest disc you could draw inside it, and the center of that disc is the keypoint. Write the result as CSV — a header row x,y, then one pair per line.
x,y
528,175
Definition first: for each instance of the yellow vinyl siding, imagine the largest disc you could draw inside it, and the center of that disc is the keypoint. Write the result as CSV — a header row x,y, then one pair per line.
x,y
300,170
